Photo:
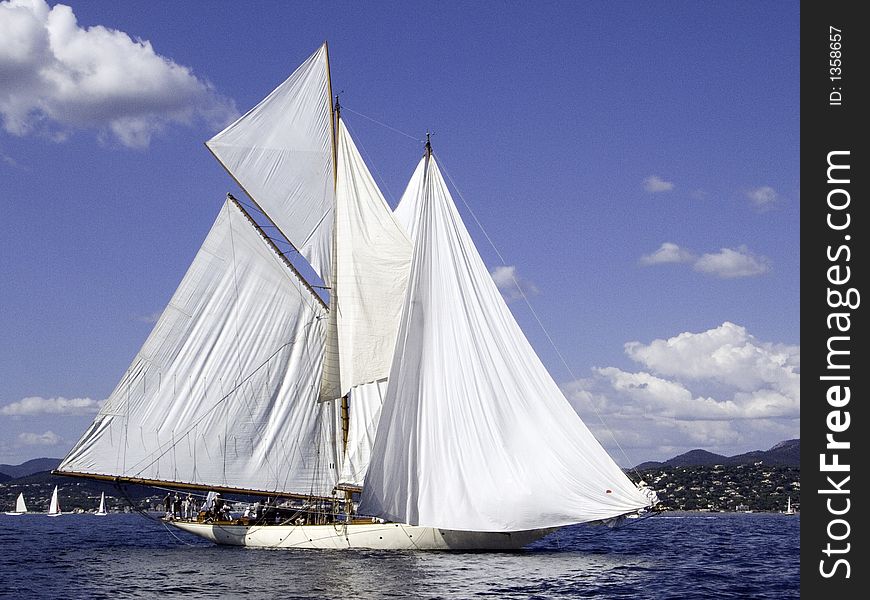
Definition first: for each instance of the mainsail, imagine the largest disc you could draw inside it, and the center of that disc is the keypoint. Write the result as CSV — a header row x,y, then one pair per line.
x,y
223,392
474,434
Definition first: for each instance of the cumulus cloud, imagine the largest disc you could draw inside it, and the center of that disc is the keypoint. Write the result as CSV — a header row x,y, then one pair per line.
x,y
729,263
720,389
510,284
763,197
36,405
654,184
727,353
668,252
49,438
58,77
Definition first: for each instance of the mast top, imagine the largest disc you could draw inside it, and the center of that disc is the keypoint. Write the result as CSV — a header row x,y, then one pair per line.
x,y
428,144
337,107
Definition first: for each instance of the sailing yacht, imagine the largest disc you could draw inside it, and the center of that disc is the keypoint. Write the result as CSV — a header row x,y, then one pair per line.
x,y
20,506
405,411
788,509
54,505
101,511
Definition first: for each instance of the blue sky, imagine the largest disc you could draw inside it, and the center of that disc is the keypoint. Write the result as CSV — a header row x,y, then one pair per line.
x,y
636,165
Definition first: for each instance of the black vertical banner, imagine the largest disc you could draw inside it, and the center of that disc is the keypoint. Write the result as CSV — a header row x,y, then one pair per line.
x,y
834,262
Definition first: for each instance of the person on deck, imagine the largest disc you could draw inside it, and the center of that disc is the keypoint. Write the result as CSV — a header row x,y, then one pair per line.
x,y
217,509
167,505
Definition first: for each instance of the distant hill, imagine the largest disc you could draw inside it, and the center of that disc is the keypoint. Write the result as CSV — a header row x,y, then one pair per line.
x,y
29,468
784,454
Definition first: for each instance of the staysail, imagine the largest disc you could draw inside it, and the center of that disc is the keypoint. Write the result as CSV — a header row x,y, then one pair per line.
x,y
370,276
281,153
20,505
474,434
224,391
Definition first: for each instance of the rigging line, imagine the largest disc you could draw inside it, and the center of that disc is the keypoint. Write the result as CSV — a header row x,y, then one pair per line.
x,y
281,239
382,124
534,313
371,162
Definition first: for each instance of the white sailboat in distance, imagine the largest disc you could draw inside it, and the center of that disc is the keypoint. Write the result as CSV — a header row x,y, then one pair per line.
x,y
101,511
54,505
20,506
407,412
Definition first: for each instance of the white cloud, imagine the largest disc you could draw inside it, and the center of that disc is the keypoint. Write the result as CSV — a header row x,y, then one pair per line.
x,y
49,438
763,197
720,389
729,263
728,354
36,405
59,77
510,284
654,184
668,252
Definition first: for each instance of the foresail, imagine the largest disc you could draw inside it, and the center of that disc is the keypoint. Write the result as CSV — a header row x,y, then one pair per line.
x,y
370,276
474,433
224,391
281,153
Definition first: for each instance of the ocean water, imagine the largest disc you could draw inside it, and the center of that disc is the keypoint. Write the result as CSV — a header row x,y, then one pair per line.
x,y
673,555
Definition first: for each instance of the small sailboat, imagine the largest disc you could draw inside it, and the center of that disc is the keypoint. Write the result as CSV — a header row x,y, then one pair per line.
x,y
101,512
54,506
788,509
20,506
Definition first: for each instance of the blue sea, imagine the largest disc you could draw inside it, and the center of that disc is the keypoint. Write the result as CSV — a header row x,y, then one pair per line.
x,y
673,555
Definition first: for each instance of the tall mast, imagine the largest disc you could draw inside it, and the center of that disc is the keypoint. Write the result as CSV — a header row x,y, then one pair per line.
x,y
336,115
332,120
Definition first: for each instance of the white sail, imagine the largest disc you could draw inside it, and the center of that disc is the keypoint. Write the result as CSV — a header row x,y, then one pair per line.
x,y
224,391
281,153
370,276
474,433
54,505
365,411
102,509
411,201
20,505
